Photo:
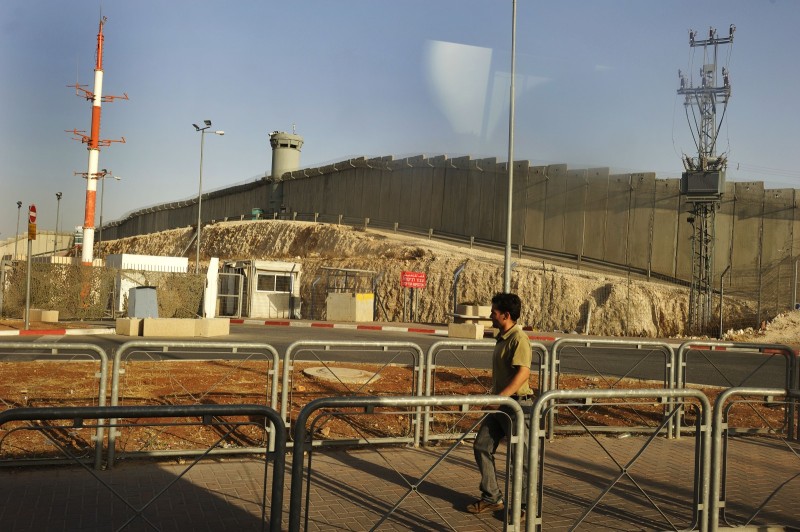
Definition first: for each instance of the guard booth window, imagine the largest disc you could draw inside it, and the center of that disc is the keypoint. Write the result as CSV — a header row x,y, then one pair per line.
x,y
273,283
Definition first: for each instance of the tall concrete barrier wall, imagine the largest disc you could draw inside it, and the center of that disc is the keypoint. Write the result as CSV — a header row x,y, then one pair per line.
x,y
234,202
631,220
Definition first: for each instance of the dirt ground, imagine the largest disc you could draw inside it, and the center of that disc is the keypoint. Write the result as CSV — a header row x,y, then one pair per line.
x,y
160,382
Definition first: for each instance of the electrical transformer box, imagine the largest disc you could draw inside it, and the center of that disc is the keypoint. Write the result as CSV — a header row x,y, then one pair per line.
x,y
703,184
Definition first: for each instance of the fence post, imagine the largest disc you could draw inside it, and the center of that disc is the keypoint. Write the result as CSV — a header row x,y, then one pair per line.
x,y
794,286
721,298
456,275
541,306
758,308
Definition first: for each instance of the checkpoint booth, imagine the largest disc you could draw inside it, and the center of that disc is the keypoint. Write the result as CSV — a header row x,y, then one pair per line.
x,y
269,289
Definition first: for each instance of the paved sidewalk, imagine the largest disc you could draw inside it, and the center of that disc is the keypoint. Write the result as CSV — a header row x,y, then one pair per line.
x,y
354,489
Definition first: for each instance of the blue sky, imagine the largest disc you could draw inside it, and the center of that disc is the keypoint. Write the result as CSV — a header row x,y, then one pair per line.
x,y
596,86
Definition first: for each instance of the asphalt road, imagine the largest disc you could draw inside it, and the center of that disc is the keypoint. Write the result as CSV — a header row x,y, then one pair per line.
x,y
604,364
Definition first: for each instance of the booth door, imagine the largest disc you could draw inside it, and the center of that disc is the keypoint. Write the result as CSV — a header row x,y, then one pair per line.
x,y
272,295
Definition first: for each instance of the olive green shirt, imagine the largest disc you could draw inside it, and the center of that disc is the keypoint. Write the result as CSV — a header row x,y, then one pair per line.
x,y
513,350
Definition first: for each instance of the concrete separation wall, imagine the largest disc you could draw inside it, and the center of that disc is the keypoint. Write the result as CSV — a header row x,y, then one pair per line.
x,y
625,219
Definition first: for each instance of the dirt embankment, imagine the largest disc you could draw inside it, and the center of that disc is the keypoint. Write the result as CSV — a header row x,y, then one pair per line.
x,y
556,298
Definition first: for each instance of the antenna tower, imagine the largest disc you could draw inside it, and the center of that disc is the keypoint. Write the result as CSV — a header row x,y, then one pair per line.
x,y
94,142
703,181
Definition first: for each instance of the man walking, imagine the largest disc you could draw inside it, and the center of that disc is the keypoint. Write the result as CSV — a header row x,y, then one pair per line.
x,y
511,363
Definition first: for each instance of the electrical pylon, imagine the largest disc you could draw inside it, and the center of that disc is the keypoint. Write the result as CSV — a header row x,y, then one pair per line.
x,y
703,182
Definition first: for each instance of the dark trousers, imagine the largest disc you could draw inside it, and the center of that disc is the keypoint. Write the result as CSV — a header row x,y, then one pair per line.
x,y
494,428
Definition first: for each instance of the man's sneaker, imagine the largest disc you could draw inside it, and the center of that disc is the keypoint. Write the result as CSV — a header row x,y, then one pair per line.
x,y
480,506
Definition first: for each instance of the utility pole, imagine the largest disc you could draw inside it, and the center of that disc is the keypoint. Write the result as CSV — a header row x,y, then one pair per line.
x,y
703,181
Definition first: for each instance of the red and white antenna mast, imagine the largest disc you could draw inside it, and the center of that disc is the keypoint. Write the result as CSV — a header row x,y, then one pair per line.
x,y
94,142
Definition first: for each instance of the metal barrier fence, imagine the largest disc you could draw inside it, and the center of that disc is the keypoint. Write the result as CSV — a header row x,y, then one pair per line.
x,y
60,353
344,406
783,454
241,367
593,357
384,353
661,503
745,370
463,354
207,413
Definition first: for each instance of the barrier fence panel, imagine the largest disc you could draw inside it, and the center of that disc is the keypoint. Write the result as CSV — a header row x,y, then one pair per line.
x,y
743,495
147,503
45,374
313,369
609,483
187,373
610,364
403,476
729,365
454,367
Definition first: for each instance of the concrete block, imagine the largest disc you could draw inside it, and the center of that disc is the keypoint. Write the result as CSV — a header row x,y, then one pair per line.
x,y
478,311
212,327
168,327
350,307
49,316
129,326
34,314
472,331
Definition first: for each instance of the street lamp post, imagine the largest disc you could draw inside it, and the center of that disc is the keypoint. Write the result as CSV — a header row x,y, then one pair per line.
x,y
58,212
103,174
509,207
16,237
202,131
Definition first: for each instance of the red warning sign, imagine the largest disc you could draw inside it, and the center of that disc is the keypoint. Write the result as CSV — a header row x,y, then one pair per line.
x,y
413,279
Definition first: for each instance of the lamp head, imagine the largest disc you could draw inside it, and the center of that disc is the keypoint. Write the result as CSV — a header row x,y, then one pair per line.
x,y
19,205
207,122
58,195
219,132
196,127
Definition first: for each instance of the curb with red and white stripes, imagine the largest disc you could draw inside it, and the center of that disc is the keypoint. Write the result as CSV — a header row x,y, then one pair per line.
x,y
57,332
278,323
350,326
371,327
